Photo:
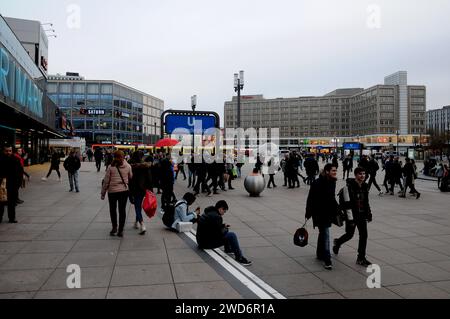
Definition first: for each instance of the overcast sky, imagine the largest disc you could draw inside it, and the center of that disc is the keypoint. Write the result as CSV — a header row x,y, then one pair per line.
x,y
173,49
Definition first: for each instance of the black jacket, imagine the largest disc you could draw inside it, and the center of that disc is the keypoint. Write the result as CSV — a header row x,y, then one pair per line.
x,y
142,180
359,200
72,164
211,230
311,166
12,170
321,204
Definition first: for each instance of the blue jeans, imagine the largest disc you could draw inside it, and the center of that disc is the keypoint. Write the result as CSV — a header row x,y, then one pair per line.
x,y
232,245
323,244
138,199
73,179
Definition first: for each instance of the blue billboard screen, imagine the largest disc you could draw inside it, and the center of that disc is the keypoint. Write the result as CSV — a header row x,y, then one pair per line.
x,y
352,146
201,122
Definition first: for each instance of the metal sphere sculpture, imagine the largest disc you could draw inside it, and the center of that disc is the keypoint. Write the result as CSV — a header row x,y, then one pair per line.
x,y
254,185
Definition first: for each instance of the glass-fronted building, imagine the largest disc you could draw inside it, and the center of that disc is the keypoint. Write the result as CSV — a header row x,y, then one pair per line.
x,y
27,115
105,112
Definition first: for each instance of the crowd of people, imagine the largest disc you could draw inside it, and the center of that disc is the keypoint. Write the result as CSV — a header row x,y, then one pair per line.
x,y
129,176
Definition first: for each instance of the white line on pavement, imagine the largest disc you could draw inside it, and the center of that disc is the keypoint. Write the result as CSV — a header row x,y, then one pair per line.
x,y
250,280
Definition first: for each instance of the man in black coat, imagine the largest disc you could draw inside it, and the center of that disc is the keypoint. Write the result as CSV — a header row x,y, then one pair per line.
x,y
98,156
312,169
356,197
12,170
322,206
72,164
212,233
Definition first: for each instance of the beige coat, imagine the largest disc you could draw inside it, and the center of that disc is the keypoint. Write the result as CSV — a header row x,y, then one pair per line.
x,y
112,182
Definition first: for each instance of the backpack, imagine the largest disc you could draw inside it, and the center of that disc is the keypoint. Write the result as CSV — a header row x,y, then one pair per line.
x,y
169,214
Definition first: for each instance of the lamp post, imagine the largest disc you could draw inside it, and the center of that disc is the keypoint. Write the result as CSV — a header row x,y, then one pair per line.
x,y
238,86
398,134
193,105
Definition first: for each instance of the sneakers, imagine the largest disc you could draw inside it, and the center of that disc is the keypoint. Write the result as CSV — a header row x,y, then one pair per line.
x,y
229,253
335,247
363,262
328,265
143,229
418,196
243,261
113,232
136,225
44,179
381,193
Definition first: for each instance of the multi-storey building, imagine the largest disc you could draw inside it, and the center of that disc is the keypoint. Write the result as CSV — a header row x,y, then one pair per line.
x,y
392,108
438,121
106,111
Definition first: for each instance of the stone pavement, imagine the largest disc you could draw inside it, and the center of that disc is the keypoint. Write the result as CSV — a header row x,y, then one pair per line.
x,y
409,239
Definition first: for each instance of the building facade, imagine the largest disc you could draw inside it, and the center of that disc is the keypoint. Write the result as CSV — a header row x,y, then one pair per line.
x,y
27,115
379,110
438,121
106,112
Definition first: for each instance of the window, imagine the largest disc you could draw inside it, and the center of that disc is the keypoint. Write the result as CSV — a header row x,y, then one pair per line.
x,y
52,87
106,89
92,88
65,88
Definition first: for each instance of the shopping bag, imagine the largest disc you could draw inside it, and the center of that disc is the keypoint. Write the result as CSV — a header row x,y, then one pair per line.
x,y
150,204
3,191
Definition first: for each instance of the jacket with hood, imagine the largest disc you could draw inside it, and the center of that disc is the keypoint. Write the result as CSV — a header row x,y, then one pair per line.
x,y
356,201
211,230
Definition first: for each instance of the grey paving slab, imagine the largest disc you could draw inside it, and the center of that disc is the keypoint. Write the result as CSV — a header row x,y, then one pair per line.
x,y
4,258
90,278
194,272
443,285
33,261
180,256
147,243
110,245
420,291
247,242
391,276
444,265
143,292
11,247
298,284
278,266
319,296
142,257
18,295
48,246
425,254
348,279
94,293
89,259
392,257
207,290
263,252
142,275
49,235
426,272
375,293
23,280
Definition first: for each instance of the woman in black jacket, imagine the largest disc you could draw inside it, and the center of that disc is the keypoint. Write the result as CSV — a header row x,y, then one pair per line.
x,y
139,184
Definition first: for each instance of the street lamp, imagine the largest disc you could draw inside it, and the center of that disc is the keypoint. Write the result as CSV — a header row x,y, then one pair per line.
x,y
398,134
193,105
238,86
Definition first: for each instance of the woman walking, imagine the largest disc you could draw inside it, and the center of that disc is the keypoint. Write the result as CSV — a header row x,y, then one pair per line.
x,y
116,182
139,184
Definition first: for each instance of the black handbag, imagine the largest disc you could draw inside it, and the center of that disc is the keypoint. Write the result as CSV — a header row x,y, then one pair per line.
x,y
301,236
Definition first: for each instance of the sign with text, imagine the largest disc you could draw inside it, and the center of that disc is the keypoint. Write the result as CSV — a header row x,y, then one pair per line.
x,y
188,122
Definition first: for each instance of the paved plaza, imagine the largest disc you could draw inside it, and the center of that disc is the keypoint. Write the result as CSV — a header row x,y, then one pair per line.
x,y
409,239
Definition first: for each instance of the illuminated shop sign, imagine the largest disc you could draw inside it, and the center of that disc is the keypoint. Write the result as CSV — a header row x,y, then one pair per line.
x,y
17,85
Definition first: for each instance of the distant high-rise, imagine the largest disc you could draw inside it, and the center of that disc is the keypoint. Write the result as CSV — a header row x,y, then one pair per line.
x,y
438,121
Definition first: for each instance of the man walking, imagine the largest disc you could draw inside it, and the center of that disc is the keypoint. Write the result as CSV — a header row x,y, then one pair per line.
x,y
321,205
356,205
98,156
347,165
409,173
72,164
